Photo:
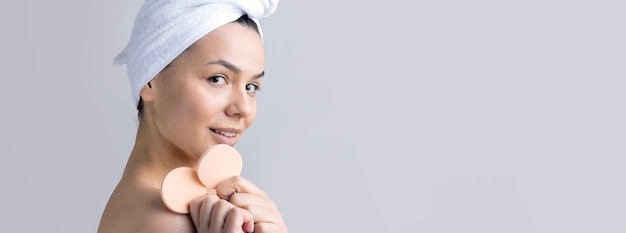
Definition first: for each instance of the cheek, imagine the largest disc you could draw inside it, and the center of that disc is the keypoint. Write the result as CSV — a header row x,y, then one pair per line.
x,y
186,108
250,119
195,112
202,106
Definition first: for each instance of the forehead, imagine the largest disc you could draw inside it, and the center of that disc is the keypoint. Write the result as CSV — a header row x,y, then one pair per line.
x,y
233,42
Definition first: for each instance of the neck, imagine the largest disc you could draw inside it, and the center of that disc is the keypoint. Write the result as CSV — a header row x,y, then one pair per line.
x,y
153,157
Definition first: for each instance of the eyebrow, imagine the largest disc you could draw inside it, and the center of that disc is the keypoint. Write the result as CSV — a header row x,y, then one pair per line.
x,y
232,67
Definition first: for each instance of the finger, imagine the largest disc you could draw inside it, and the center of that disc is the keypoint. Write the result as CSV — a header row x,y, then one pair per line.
x,y
194,210
218,215
262,209
261,214
239,219
200,210
245,200
205,213
265,227
238,184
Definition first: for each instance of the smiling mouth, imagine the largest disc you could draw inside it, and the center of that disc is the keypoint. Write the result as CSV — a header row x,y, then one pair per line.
x,y
224,133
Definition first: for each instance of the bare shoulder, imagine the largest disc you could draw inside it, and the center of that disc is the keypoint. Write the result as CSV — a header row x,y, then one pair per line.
x,y
141,210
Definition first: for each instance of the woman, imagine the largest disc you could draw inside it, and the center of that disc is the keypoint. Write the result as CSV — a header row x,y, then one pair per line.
x,y
195,67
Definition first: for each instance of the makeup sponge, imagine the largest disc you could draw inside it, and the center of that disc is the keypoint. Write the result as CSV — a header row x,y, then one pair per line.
x,y
183,184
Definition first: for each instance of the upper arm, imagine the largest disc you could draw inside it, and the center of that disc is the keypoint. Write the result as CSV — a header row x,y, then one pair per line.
x,y
165,222
147,216
157,218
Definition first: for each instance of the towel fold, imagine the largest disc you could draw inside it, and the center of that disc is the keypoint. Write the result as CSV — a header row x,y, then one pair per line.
x,y
165,28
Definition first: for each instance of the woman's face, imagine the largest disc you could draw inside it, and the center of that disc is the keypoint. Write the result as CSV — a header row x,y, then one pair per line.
x,y
207,95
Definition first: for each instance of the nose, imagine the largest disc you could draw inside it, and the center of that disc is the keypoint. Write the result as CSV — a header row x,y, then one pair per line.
x,y
241,104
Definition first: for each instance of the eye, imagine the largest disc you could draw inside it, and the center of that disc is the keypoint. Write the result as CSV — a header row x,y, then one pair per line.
x,y
253,88
217,79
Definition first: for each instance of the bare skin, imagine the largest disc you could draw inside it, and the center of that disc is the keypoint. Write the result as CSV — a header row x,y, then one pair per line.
x,y
205,97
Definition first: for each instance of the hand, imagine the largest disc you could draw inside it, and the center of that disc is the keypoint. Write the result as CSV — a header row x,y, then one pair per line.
x,y
210,214
244,194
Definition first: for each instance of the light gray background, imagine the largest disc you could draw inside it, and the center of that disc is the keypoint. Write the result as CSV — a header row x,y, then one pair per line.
x,y
377,116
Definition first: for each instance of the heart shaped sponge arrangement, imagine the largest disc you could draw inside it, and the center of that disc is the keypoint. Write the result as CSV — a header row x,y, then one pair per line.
x,y
181,185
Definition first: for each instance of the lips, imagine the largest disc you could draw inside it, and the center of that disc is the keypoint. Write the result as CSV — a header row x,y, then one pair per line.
x,y
224,133
226,136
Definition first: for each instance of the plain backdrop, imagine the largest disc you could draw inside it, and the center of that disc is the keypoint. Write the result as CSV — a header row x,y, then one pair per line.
x,y
376,116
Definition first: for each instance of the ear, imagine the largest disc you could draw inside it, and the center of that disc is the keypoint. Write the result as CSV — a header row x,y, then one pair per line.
x,y
147,92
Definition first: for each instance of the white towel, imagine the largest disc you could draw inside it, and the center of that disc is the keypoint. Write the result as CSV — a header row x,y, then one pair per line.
x,y
165,28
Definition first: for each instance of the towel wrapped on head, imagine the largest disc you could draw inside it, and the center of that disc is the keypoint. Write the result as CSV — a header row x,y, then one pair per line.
x,y
163,29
